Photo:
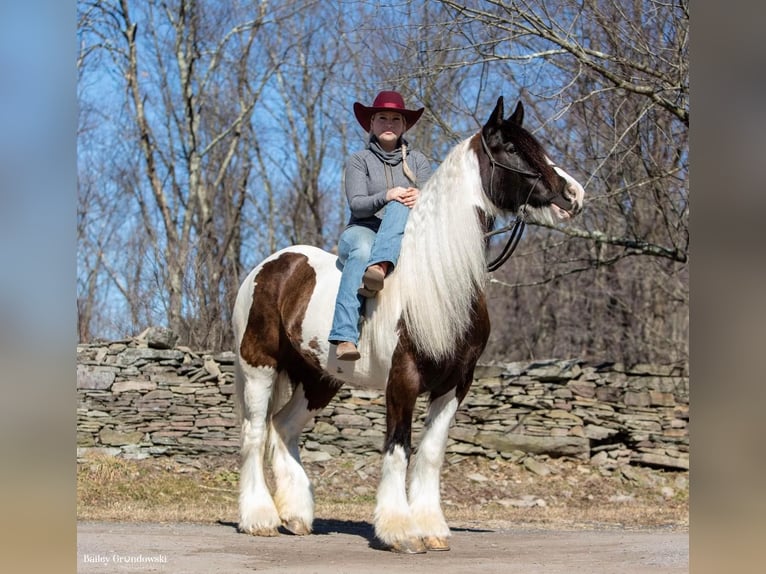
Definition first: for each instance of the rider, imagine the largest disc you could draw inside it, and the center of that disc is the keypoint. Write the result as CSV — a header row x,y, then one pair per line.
x,y
381,184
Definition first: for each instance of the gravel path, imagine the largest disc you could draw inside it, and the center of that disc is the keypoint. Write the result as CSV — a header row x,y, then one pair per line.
x,y
339,547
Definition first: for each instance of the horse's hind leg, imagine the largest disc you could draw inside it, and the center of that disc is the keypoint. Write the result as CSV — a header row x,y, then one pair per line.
x,y
257,513
293,493
424,497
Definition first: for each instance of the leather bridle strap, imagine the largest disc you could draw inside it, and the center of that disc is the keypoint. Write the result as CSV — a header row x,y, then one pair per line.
x,y
516,229
493,162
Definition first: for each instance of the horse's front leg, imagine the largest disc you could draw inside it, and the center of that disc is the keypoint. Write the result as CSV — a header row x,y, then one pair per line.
x,y
394,525
424,495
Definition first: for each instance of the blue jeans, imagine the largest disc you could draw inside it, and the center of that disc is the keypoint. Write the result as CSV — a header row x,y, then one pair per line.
x,y
358,248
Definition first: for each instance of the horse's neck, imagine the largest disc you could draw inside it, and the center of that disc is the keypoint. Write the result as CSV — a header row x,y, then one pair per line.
x,y
441,265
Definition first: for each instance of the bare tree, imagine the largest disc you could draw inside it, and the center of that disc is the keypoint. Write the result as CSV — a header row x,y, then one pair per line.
x,y
617,74
191,83
607,82
308,62
222,131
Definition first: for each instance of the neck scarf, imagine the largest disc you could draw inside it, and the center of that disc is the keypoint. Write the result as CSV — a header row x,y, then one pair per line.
x,y
388,157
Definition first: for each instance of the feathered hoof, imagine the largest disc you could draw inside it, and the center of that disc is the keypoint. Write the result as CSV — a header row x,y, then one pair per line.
x,y
409,546
436,543
297,526
259,531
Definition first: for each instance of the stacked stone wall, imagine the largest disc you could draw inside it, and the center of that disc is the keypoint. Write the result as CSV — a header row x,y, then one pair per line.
x,y
136,401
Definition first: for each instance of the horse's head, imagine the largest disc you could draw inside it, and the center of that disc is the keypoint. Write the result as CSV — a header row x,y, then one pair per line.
x,y
517,175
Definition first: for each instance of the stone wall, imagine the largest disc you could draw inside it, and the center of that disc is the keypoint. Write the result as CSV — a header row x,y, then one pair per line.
x,y
137,401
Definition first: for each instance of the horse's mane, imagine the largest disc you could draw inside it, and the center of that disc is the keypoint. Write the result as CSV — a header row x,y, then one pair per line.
x,y
441,266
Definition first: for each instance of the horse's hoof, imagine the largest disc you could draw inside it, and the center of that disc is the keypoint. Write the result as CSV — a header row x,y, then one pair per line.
x,y
411,546
259,531
297,526
436,543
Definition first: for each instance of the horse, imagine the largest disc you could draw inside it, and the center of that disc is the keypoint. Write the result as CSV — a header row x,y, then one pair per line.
x,y
423,333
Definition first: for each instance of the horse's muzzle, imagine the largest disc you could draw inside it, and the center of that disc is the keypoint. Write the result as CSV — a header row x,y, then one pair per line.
x,y
566,204
570,200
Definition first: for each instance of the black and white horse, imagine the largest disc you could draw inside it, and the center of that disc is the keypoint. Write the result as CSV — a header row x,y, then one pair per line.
x,y
423,333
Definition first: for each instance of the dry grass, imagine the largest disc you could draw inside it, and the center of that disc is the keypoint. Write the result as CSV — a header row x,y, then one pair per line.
x,y
475,492
116,489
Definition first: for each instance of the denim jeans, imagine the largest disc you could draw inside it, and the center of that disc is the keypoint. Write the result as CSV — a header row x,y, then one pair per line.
x,y
358,248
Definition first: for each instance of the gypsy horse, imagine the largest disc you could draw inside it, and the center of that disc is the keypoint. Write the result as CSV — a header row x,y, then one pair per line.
x,y
423,333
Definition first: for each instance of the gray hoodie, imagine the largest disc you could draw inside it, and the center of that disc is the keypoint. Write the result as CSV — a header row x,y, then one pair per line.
x,y
370,173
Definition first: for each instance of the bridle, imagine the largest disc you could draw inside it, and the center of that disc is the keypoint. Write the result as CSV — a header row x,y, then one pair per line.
x,y
517,227
494,163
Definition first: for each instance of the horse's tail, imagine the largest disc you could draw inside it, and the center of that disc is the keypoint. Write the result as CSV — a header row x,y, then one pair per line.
x,y
239,391
239,325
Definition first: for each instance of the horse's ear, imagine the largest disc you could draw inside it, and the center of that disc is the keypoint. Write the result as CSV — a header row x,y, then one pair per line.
x,y
496,118
518,114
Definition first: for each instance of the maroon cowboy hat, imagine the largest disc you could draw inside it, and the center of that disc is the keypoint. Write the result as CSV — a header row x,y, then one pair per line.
x,y
386,102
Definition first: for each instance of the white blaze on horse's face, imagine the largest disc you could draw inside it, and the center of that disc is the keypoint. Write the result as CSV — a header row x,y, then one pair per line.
x,y
575,193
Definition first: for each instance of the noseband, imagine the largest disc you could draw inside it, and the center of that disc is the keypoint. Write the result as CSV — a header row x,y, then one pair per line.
x,y
517,227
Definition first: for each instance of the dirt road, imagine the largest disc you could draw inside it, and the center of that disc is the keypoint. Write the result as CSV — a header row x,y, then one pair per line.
x,y
347,547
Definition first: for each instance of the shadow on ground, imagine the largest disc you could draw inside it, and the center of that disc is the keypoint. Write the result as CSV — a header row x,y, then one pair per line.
x,y
365,530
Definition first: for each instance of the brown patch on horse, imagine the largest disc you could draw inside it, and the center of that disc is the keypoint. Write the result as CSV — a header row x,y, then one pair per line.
x,y
413,374
274,332
532,152
474,143
282,289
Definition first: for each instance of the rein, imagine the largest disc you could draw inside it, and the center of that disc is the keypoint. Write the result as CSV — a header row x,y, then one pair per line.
x,y
517,227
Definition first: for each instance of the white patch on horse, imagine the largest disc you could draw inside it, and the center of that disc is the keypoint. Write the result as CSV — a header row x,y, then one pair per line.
x,y
257,513
424,491
293,494
377,335
393,521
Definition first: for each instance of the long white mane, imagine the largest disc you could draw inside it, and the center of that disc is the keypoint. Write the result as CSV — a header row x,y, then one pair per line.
x,y
442,265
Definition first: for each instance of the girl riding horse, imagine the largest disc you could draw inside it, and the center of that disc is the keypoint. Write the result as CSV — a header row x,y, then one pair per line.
x,y
422,334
